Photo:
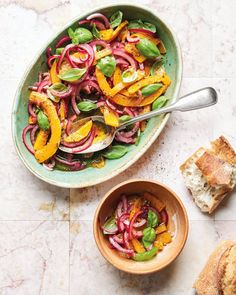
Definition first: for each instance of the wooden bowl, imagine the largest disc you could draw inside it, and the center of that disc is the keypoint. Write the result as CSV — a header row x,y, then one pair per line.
x,y
177,225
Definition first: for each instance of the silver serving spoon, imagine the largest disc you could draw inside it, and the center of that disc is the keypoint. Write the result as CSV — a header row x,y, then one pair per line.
x,y
198,99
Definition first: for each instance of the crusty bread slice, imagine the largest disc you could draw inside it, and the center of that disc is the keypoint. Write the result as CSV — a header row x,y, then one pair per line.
x,y
210,174
219,274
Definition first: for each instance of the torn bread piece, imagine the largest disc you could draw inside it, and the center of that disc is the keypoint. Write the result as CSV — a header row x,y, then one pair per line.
x,y
219,274
210,174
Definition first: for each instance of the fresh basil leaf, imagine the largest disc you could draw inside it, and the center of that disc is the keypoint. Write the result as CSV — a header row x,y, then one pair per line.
x,y
149,26
72,74
124,118
83,35
139,24
149,89
87,106
135,24
110,226
146,244
149,234
60,87
159,102
80,35
116,152
146,255
95,32
107,65
152,219
148,48
43,121
59,50
116,19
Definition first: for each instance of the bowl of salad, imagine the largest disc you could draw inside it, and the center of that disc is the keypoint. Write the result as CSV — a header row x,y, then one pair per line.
x,y
116,62
140,226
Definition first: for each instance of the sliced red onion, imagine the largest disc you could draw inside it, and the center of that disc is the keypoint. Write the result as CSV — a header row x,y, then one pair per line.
x,y
100,103
129,112
49,52
76,144
129,134
25,131
90,52
99,42
68,125
98,24
120,221
121,138
117,45
101,16
63,54
50,59
143,31
114,108
126,240
62,41
133,40
70,61
42,84
62,94
31,110
140,223
79,60
118,239
119,209
66,162
49,165
87,144
32,134
125,203
129,58
137,234
121,61
164,216
132,222
119,248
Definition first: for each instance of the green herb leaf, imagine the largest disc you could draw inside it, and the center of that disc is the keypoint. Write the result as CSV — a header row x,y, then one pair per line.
x,y
129,75
109,226
80,35
72,74
124,118
139,24
148,48
152,219
146,244
116,19
149,89
107,65
87,106
95,32
149,234
146,255
149,26
43,120
116,152
59,50
159,102
60,87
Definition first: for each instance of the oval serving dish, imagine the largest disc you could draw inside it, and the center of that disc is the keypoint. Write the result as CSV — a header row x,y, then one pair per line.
x,y
92,176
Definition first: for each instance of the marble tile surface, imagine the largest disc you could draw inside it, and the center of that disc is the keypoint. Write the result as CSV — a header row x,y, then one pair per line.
x,y
46,240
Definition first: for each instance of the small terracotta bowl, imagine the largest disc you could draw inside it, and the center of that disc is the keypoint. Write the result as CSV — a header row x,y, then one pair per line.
x,y
177,225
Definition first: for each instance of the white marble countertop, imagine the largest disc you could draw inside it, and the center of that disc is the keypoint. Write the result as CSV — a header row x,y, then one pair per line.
x,y
46,242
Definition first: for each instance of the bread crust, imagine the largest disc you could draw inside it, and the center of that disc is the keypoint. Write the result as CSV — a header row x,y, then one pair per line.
x,y
210,279
222,148
217,169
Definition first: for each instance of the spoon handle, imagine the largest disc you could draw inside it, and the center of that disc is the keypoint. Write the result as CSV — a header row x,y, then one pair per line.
x,y
198,99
